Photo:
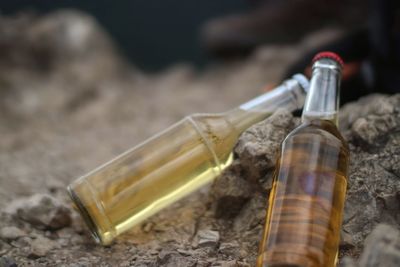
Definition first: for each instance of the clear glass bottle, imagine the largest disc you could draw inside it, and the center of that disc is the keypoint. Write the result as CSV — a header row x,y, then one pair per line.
x,y
307,198
125,191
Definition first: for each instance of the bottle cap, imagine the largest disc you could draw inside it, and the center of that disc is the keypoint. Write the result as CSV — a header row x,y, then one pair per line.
x,y
330,55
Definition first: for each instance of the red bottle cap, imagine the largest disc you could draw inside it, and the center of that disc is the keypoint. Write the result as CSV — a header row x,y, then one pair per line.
x,y
330,55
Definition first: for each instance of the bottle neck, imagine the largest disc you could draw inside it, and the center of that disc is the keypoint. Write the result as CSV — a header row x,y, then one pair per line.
x,y
289,95
322,101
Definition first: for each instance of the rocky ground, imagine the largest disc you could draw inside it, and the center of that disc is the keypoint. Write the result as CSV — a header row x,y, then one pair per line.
x,y
69,102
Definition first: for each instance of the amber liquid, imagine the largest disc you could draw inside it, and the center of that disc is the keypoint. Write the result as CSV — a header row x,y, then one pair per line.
x,y
306,202
139,183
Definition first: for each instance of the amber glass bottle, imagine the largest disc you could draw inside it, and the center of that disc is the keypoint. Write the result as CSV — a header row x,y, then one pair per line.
x,y
306,202
188,155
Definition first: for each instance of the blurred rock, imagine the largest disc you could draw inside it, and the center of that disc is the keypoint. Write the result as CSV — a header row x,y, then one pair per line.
x,y
373,129
348,262
40,247
172,259
382,248
41,43
42,211
10,233
207,238
7,262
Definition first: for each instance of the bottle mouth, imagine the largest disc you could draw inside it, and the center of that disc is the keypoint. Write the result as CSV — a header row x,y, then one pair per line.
x,y
329,55
85,215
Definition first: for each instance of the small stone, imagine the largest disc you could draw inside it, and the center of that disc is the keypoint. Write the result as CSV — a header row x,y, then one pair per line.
x,y
231,249
208,238
202,263
232,263
40,247
346,240
22,242
348,262
146,227
7,262
11,233
42,211
172,259
164,254
184,252
4,247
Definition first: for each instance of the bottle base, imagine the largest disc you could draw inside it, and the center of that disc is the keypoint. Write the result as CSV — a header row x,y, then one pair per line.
x,y
85,215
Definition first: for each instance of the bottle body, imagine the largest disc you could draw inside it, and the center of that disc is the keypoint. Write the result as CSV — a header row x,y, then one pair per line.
x,y
183,158
155,174
307,199
164,169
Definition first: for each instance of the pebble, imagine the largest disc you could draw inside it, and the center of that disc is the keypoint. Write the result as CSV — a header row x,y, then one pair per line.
x,y
9,233
7,262
40,247
4,247
229,248
346,240
232,263
208,238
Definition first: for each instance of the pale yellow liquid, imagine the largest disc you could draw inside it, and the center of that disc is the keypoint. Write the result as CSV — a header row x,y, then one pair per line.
x,y
306,202
139,183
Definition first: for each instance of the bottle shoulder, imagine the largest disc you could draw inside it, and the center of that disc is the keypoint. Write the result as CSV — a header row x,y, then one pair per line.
x,y
324,130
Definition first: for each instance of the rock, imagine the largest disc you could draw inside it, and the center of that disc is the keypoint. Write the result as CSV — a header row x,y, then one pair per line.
x,y
373,129
10,233
370,119
252,214
208,238
7,262
172,259
42,211
233,263
372,104
382,248
54,40
229,263
22,242
346,240
230,193
348,262
231,248
257,147
4,247
40,247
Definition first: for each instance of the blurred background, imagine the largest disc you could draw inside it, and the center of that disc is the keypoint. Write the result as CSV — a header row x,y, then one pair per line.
x,y
156,34
153,34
